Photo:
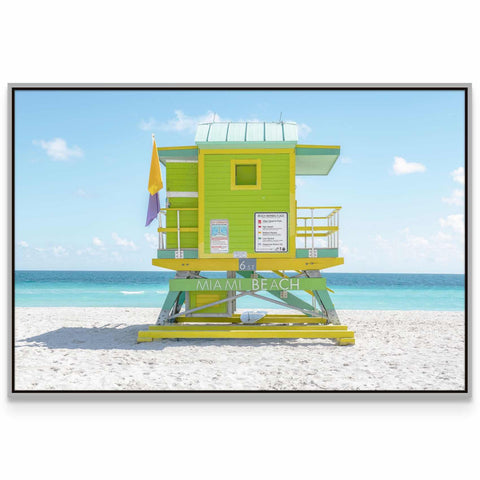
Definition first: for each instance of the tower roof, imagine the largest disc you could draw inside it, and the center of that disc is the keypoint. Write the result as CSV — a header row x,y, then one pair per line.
x,y
267,133
310,159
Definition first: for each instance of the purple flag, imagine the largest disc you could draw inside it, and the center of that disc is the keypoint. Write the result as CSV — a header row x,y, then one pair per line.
x,y
153,208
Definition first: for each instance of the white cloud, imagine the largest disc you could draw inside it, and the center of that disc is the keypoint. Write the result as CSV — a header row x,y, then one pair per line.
x,y
152,239
97,242
123,242
58,150
99,248
352,253
344,249
318,243
456,198
383,245
414,241
455,222
81,193
409,250
299,182
59,251
443,238
345,160
379,240
180,123
89,251
458,175
23,243
251,120
148,125
303,130
402,167
117,257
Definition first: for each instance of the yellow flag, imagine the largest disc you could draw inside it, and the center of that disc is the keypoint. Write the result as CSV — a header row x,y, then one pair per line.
x,y
155,182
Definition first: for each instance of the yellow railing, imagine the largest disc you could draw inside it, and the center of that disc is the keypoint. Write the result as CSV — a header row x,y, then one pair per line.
x,y
308,227
316,225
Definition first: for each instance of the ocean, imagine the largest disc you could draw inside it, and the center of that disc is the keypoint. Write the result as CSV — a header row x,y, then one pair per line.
x,y
353,291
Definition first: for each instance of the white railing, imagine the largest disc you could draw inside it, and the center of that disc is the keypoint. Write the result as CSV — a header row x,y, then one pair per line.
x,y
312,225
162,243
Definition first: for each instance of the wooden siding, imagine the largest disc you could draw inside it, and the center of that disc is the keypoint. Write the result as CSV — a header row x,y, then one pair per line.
x,y
182,177
239,206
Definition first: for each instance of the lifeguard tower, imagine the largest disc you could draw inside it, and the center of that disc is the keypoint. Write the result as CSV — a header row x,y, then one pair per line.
x,y
231,208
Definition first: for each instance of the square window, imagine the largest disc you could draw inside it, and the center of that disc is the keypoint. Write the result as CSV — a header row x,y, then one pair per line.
x,y
245,174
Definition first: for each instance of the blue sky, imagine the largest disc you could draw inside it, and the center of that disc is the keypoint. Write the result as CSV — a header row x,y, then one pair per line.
x,y
82,161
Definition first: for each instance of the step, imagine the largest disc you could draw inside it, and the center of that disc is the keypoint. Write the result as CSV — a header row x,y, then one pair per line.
x,y
245,332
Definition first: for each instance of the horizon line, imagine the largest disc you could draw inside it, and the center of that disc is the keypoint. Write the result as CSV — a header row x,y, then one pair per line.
x,y
173,271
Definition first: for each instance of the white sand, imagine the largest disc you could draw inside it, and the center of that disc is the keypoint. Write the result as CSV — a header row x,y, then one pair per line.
x,y
96,349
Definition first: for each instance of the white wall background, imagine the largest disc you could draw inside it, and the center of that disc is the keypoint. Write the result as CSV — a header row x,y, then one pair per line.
x,y
277,436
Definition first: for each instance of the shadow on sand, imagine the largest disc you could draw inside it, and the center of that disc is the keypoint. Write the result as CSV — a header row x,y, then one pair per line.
x,y
125,338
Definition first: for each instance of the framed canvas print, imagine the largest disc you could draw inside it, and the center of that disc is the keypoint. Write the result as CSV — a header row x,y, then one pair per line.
x,y
240,238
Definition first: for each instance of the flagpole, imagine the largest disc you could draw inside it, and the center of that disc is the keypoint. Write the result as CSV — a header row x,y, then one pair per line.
x,y
160,234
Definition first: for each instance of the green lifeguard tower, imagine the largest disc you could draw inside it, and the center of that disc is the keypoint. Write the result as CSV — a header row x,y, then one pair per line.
x,y
231,208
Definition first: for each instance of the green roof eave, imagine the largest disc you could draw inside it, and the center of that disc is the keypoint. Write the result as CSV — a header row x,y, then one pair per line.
x,y
177,153
315,159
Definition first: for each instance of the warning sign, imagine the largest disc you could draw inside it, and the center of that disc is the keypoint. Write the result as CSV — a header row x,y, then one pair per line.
x,y
271,232
218,236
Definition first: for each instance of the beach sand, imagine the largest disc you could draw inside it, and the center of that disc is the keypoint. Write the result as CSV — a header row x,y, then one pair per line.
x,y
96,349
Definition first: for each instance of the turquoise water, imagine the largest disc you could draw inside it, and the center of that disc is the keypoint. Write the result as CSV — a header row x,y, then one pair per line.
x,y
356,291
